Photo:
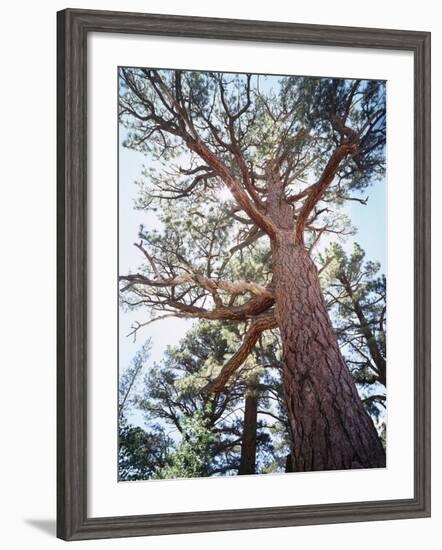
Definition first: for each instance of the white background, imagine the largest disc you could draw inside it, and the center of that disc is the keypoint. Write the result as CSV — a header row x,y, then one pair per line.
x,y
27,221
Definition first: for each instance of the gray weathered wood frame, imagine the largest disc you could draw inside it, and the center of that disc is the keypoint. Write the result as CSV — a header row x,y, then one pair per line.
x,y
73,28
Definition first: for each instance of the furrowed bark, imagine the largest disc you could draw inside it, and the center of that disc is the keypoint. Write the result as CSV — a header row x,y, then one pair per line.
x,y
330,428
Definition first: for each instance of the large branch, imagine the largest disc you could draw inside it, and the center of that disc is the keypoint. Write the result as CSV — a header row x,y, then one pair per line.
x,y
235,147
252,236
243,312
237,287
235,187
240,313
194,142
259,324
182,125
321,185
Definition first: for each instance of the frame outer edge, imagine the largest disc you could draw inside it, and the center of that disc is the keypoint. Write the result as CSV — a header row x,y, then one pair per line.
x,y
241,29
422,273
72,28
71,279
61,104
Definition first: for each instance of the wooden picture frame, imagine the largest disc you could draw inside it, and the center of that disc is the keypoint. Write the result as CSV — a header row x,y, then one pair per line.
x,y
74,26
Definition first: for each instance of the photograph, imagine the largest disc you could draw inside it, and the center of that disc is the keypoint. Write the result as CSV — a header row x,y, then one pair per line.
x,y
252,273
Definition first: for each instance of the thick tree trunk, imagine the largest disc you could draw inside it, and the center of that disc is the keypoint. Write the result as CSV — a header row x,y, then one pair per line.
x,y
288,464
329,426
248,447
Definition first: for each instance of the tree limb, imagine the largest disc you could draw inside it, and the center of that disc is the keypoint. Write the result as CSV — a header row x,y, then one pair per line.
x,y
237,287
322,184
258,325
181,125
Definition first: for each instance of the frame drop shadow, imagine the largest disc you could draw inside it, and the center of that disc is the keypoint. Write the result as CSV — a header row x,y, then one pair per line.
x,y
47,526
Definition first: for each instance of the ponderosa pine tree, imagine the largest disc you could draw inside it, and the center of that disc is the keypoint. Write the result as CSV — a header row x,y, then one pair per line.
x,y
171,395
243,173
356,293
224,437
141,452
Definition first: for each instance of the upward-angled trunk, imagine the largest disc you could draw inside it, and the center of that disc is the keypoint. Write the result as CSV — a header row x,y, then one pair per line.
x,y
248,446
330,428
373,348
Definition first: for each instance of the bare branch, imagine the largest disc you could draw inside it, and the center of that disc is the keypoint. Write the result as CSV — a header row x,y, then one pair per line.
x,y
253,235
137,326
237,287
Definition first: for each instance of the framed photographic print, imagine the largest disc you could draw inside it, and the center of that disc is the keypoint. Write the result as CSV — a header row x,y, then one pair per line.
x,y
243,271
